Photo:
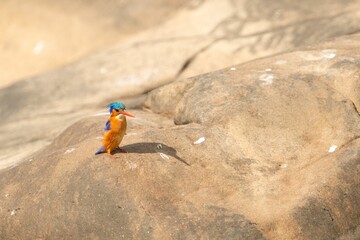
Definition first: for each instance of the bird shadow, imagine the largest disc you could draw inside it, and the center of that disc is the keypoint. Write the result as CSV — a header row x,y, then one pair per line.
x,y
152,147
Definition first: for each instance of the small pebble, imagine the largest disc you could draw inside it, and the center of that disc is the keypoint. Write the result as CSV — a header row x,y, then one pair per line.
x,y
164,156
200,140
332,149
14,211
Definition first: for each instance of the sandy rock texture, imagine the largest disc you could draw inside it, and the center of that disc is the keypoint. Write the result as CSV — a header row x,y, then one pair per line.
x,y
185,38
268,149
40,36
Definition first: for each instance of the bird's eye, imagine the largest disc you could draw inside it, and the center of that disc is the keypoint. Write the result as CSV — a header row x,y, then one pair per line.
x,y
117,110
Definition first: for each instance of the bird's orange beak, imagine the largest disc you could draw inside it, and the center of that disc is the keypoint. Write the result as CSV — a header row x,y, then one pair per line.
x,y
126,113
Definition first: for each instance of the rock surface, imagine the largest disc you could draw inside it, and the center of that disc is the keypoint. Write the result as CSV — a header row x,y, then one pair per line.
x,y
195,37
268,149
279,158
39,36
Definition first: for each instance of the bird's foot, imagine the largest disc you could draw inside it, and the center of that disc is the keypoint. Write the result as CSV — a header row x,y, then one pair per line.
x,y
120,150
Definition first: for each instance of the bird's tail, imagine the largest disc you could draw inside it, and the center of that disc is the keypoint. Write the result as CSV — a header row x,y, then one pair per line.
x,y
101,150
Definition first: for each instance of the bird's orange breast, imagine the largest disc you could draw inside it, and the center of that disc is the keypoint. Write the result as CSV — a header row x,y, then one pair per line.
x,y
114,136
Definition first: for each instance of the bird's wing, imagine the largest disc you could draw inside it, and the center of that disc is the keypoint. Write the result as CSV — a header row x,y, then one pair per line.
x,y
107,126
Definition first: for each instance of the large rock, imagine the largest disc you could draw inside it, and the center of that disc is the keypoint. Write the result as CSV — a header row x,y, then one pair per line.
x,y
199,36
280,160
302,95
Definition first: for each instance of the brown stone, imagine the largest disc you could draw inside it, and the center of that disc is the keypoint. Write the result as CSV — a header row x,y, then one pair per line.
x,y
279,160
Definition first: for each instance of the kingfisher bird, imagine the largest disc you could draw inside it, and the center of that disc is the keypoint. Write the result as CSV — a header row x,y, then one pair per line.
x,y
115,128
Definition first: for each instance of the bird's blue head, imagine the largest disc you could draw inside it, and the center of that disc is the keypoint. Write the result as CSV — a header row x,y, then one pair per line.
x,y
116,106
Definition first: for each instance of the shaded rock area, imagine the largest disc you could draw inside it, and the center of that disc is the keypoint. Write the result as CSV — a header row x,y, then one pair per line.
x,y
268,149
260,149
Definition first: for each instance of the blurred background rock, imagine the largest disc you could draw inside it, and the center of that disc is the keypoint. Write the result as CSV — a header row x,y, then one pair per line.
x,y
38,36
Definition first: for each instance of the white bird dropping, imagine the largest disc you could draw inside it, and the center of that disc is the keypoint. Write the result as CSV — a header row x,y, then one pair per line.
x,y
200,140
332,148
